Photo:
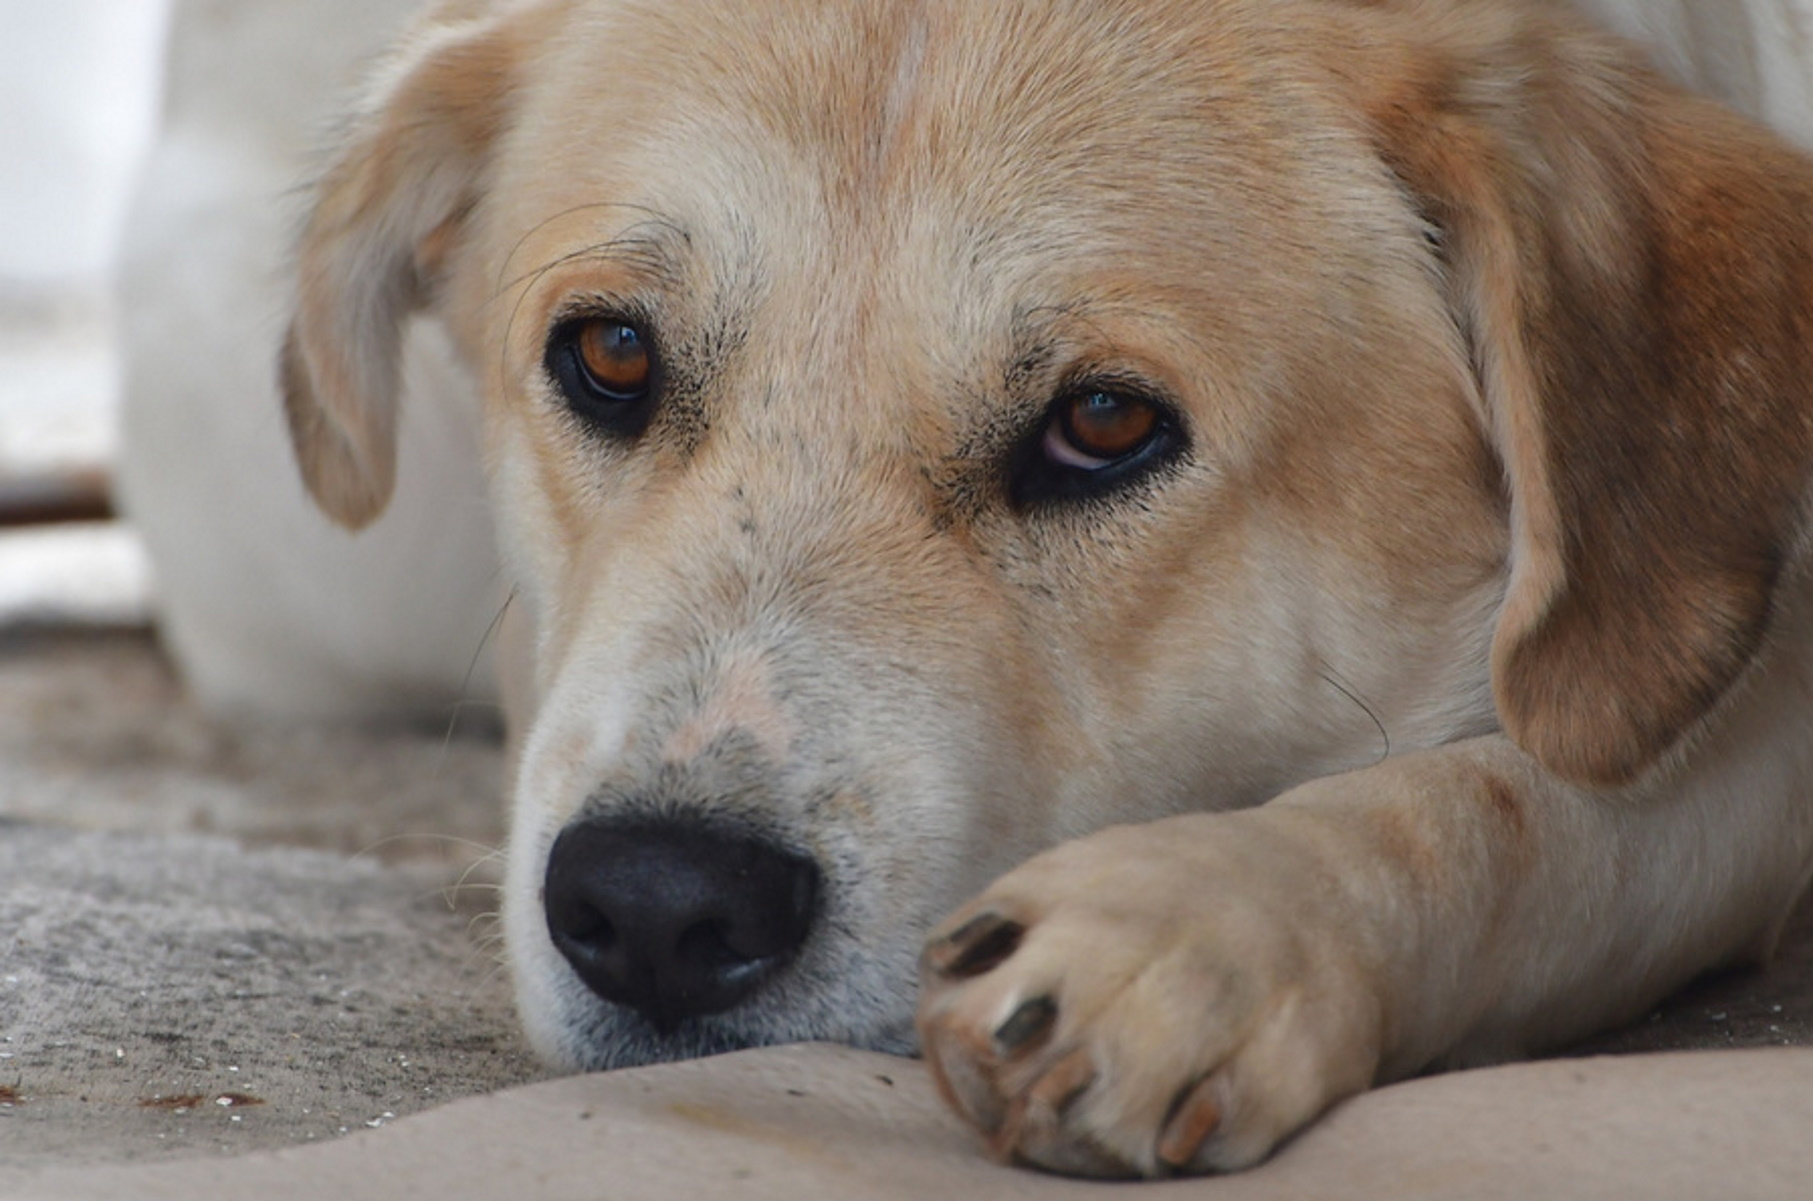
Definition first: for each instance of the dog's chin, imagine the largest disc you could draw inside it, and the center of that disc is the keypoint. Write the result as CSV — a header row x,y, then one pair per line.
x,y
572,1029
604,1036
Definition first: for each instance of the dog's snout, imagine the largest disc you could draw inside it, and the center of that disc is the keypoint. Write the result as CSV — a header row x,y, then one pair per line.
x,y
675,920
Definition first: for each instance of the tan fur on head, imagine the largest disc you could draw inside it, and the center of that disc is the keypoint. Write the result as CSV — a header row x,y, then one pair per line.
x,y
1632,268
386,216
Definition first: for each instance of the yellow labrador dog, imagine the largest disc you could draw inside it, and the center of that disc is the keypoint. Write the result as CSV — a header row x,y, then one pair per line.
x,y
1357,449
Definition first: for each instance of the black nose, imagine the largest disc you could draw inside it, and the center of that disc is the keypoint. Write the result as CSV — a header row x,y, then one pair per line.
x,y
675,920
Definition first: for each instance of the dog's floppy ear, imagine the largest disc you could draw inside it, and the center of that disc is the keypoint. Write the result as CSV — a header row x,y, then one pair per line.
x,y
385,215
1632,269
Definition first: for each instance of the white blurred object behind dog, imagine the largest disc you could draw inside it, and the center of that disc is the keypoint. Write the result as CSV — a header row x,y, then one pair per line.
x,y
268,607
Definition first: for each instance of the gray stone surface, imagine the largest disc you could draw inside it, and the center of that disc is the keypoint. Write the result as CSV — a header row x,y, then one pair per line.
x,y
173,994
292,920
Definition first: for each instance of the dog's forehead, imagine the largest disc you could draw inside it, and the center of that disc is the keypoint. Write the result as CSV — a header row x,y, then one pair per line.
x,y
955,140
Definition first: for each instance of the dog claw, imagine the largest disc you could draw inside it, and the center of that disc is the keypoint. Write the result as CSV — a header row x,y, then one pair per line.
x,y
977,946
1195,1115
1034,1131
1031,1022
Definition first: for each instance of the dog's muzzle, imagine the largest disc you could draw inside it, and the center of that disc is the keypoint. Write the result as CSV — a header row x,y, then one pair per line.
x,y
675,919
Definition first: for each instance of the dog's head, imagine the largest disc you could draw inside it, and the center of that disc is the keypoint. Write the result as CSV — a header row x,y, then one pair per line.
x,y
922,432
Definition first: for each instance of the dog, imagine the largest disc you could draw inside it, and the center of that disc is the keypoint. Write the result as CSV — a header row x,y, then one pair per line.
x,y
1185,559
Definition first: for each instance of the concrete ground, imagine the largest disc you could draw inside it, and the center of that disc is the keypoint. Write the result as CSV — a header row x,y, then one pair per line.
x,y
217,941
221,945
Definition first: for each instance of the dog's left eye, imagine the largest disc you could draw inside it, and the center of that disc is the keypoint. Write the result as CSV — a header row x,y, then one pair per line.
x,y
606,370
1093,439
1093,430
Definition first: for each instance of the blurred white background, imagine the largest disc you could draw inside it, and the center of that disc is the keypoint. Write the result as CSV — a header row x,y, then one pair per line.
x,y
79,88
79,81
143,232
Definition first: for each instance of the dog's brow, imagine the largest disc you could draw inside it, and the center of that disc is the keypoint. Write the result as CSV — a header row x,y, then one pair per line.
x,y
650,245
1037,336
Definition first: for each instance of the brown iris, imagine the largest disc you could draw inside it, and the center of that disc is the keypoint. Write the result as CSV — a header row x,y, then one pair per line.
x,y
615,358
1097,428
1098,438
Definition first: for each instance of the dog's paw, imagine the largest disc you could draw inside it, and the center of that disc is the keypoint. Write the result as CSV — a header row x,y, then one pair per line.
x,y
1171,998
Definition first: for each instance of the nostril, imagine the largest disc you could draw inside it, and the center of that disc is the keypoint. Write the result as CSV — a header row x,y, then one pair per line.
x,y
585,924
706,946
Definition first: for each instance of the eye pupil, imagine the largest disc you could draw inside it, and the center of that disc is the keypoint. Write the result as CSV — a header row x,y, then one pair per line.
x,y
615,359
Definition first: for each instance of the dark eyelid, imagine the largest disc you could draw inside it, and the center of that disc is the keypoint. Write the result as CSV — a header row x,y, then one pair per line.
x,y
1087,378
600,306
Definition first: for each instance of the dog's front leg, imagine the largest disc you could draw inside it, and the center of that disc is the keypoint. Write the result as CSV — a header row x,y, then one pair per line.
x,y
1183,995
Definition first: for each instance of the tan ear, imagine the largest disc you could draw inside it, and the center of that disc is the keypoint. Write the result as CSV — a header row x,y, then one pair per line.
x,y
1633,270
385,216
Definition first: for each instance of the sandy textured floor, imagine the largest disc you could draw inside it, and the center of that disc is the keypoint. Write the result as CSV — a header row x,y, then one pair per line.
x,y
95,732
282,936
216,941
170,995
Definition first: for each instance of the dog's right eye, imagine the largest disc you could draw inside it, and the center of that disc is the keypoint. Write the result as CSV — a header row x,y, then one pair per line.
x,y
607,372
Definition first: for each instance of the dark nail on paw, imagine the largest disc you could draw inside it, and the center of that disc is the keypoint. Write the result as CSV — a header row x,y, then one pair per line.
x,y
1031,1021
979,945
